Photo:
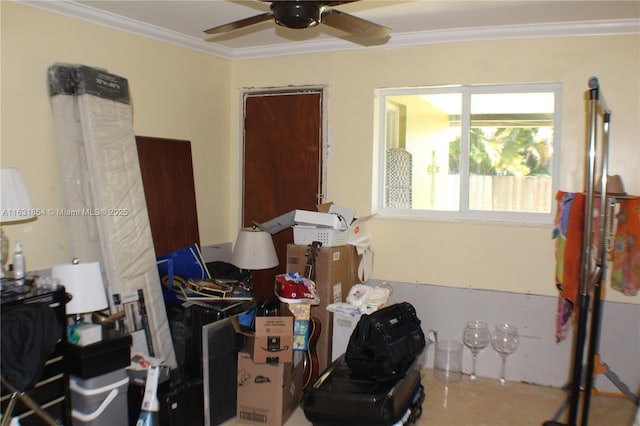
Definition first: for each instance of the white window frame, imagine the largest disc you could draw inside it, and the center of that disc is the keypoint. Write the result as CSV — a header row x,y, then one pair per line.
x,y
464,214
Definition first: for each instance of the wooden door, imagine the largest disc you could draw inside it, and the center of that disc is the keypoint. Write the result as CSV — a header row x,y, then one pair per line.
x,y
282,165
167,176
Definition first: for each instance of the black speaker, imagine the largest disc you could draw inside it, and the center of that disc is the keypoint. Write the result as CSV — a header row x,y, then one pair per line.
x,y
220,355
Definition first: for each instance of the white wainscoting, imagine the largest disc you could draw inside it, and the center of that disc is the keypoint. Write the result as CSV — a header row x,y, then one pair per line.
x,y
539,359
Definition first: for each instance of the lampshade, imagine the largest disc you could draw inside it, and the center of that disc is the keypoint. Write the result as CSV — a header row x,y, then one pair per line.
x,y
84,282
254,250
16,203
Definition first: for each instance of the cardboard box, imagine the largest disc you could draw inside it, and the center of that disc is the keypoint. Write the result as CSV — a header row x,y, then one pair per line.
x,y
272,340
336,271
268,394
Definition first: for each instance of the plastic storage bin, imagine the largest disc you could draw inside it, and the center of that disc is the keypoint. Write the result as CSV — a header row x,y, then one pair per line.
x,y
100,400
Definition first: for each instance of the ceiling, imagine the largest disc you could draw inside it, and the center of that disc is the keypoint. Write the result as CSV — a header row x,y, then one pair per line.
x,y
411,22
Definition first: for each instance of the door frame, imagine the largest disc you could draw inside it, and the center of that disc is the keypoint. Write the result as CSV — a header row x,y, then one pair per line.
x,y
324,151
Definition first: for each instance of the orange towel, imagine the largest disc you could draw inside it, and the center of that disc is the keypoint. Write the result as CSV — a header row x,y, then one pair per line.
x,y
625,272
568,233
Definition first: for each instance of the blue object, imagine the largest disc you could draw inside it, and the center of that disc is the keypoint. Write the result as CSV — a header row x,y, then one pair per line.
x,y
247,320
179,266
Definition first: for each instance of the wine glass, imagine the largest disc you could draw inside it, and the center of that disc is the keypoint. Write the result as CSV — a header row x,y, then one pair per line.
x,y
505,340
476,337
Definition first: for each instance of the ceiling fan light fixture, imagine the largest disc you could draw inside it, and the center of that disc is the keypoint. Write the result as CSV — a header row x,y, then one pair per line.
x,y
296,14
301,14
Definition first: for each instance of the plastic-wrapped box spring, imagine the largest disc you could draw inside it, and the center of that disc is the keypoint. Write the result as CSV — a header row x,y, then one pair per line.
x,y
102,187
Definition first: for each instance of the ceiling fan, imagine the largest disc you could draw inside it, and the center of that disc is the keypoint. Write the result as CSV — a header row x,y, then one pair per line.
x,y
300,14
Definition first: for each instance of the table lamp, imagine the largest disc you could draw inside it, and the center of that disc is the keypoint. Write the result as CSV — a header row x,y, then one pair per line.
x,y
15,206
84,282
254,250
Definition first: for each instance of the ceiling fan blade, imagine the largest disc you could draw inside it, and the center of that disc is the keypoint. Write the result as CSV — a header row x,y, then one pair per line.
x,y
321,2
240,23
353,25
338,2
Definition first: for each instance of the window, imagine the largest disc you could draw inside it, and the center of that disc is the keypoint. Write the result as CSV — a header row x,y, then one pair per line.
x,y
469,152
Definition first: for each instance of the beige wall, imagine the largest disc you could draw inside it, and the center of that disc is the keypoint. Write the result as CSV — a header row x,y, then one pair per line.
x,y
176,93
487,256
182,94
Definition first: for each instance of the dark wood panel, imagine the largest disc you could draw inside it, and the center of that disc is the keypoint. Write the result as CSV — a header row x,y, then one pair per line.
x,y
282,165
167,175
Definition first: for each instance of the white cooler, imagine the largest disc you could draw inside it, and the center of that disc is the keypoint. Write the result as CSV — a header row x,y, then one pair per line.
x,y
100,400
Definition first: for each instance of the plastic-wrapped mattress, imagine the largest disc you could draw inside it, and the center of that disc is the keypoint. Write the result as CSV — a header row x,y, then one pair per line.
x,y
102,188
82,232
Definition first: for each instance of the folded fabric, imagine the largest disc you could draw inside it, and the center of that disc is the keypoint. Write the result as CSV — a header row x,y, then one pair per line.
x,y
344,309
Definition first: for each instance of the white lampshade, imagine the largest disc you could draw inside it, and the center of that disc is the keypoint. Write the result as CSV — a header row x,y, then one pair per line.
x,y
254,250
15,201
84,282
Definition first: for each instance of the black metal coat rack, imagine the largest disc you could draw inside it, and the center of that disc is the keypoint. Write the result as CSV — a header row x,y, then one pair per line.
x,y
587,336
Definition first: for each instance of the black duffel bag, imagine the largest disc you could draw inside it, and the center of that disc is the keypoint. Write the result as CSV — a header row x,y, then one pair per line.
x,y
385,343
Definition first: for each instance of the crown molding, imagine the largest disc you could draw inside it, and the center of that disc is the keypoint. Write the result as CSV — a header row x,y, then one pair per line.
x,y
106,19
459,35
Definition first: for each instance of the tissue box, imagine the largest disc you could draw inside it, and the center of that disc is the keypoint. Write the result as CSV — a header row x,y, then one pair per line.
x,y
83,334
